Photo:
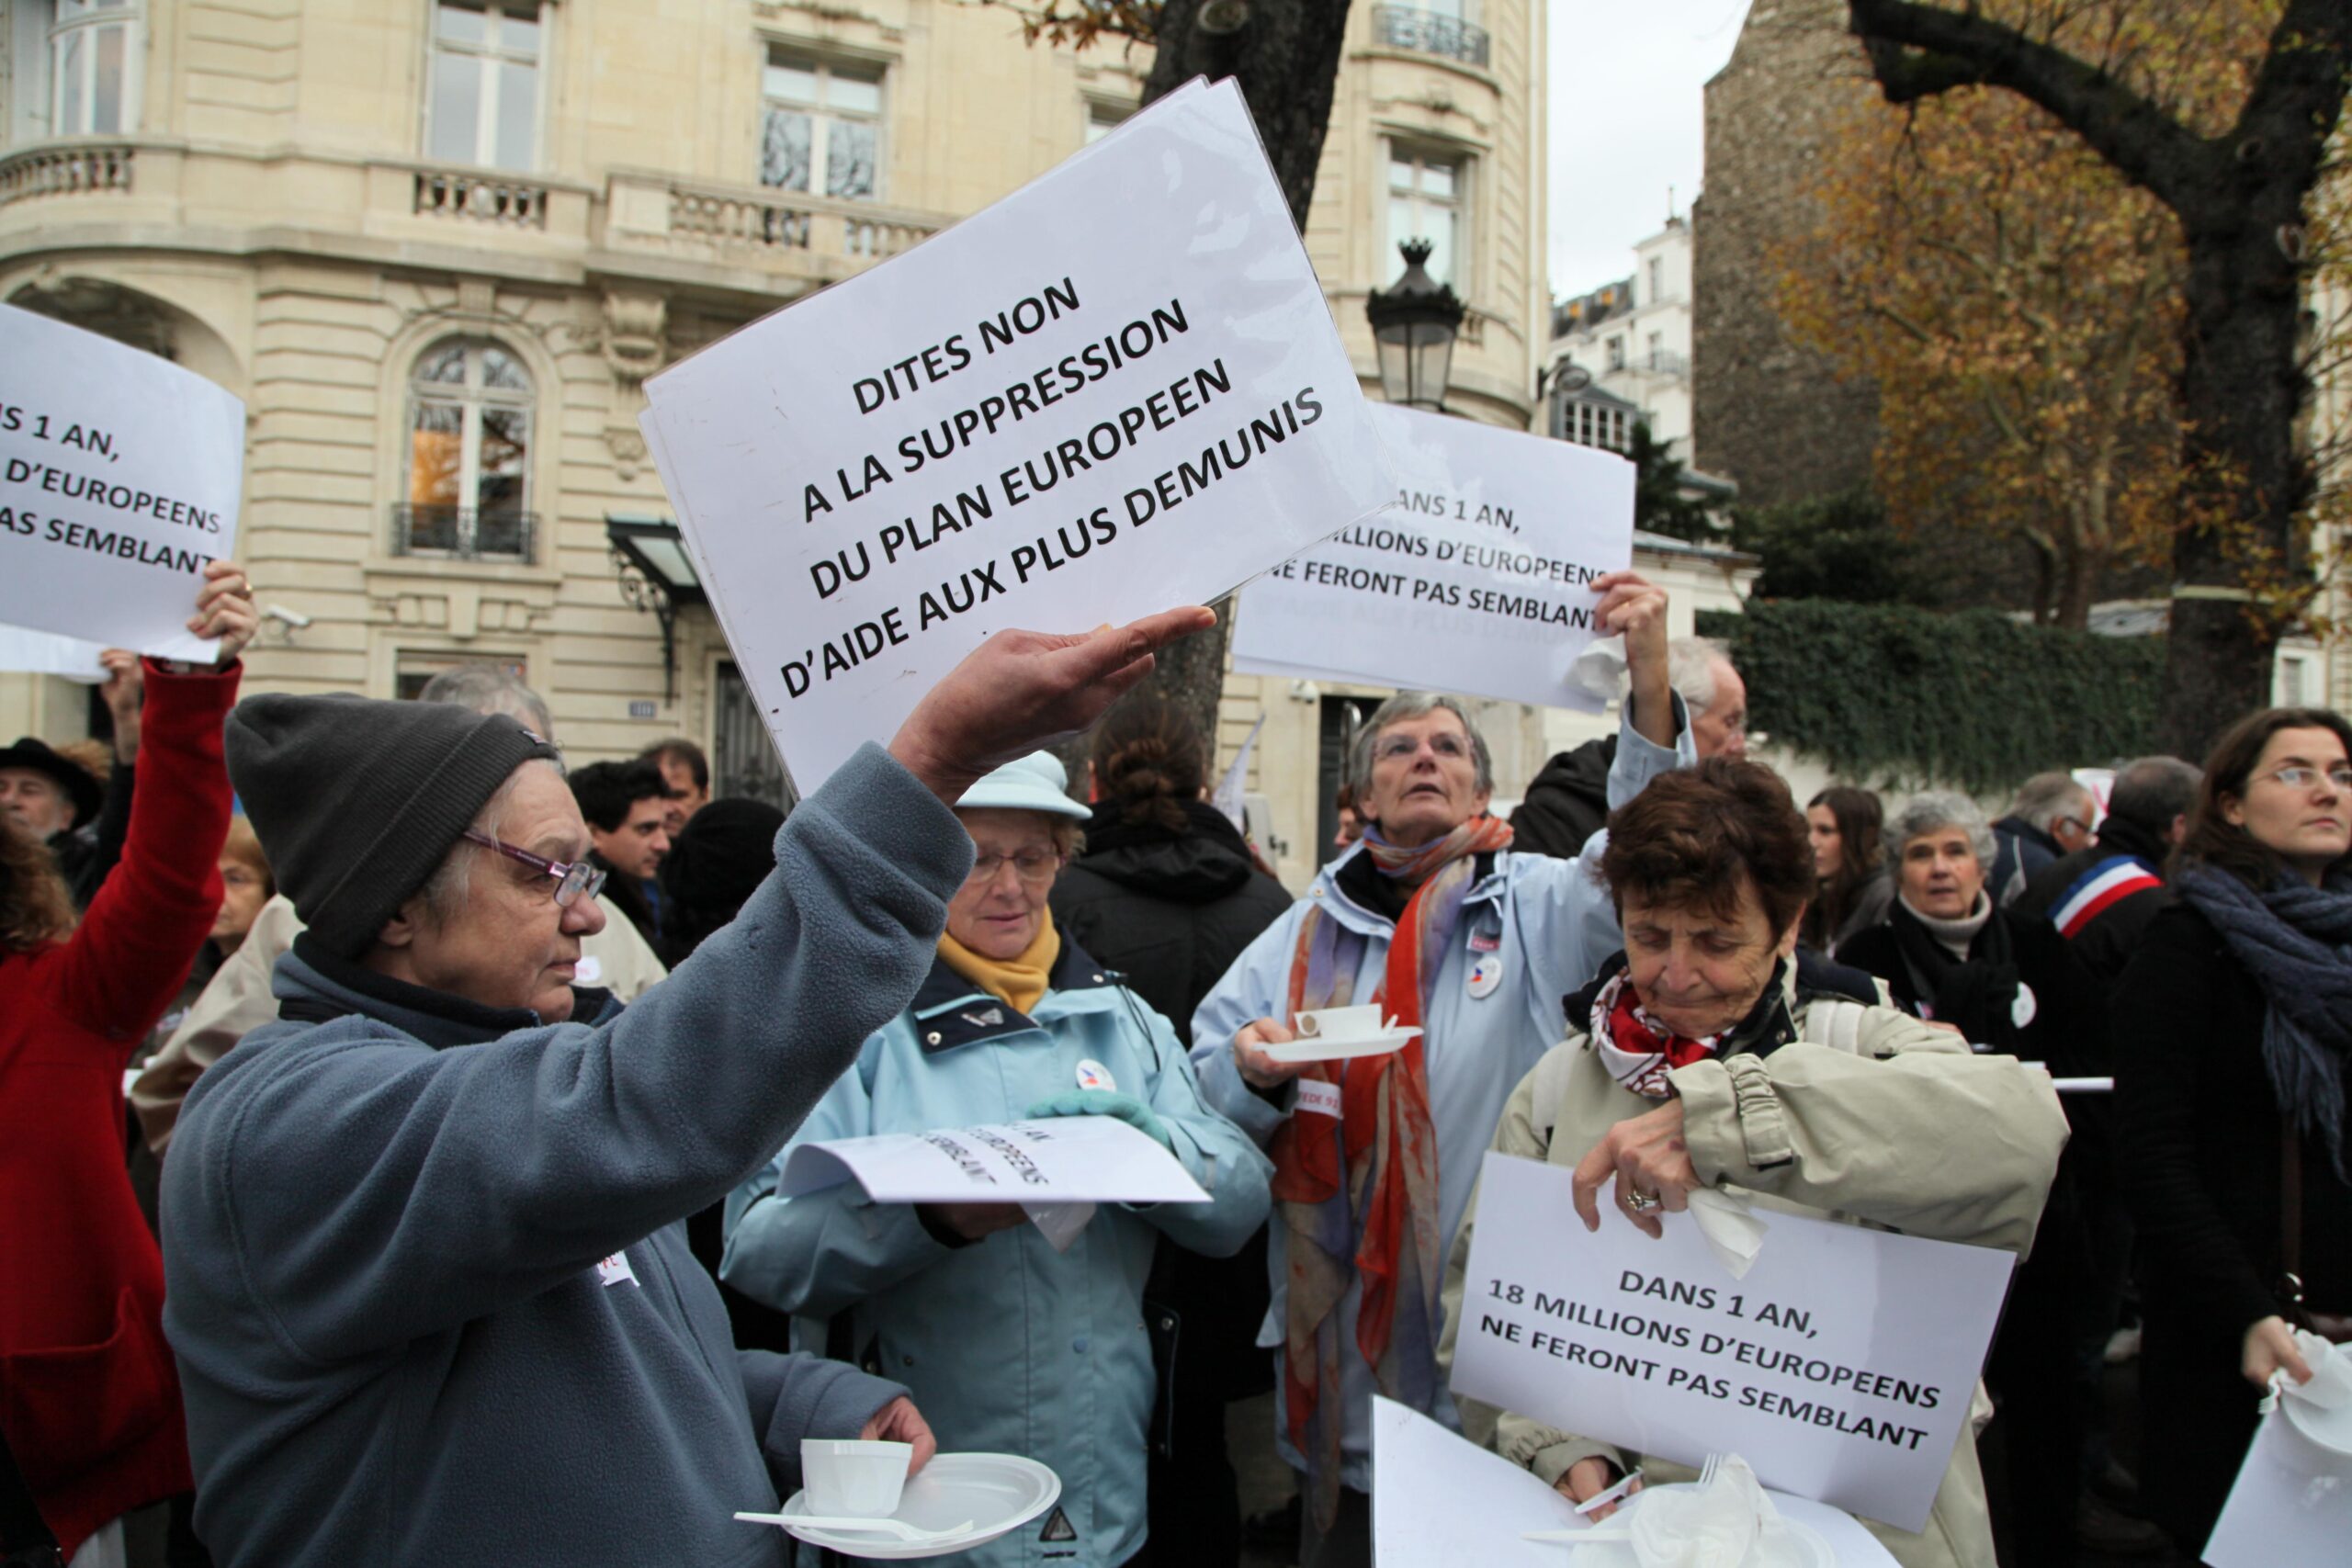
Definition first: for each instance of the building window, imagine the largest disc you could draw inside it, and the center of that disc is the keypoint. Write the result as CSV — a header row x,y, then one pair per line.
x,y
1657,351
1594,425
1102,119
2292,689
821,115
1617,351
484,85
1425,202
1657,279
468,457
1438,27
414,671
94,57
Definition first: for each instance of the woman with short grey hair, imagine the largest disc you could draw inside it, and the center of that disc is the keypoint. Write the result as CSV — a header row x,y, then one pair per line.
x,y
1947,952
2005,982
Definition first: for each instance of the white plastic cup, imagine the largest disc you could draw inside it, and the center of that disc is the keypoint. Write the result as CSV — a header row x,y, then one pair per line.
x,y
1341,1023
853,1477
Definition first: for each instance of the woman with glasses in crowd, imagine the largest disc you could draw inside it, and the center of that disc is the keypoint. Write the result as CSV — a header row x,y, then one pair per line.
x,y
2232,1025
1010,1345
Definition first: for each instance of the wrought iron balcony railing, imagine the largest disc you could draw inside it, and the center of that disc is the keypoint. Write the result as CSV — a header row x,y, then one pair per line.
x,y
464,533
1430,32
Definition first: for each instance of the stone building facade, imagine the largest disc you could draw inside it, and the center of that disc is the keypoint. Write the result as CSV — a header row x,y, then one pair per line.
x,y
438,245
1769,416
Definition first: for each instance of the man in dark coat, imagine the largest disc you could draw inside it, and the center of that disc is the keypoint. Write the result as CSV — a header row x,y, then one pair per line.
x,y
1568,802
2102,897
2051,817
626,807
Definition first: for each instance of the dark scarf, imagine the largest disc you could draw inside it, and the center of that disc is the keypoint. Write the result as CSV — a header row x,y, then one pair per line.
x,y
2296,940
1977,994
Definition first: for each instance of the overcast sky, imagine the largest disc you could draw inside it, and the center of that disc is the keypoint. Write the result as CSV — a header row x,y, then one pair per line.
x,y
1626,123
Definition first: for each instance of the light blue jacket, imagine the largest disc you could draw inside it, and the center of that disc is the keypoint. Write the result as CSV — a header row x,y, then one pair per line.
x,y
1008,1345
1550,924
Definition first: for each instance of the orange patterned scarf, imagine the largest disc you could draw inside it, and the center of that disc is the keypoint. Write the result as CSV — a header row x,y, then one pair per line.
x,y
1383,1149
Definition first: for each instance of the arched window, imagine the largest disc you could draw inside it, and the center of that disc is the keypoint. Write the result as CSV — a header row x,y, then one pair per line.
x,y
469,453
93,67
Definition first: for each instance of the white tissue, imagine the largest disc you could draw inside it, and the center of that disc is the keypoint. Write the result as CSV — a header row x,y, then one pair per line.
x,y
1060,1222
1712,1527
1732,1233
1599,670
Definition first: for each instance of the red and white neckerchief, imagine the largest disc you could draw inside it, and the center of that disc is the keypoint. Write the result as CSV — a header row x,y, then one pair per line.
x,y
1637,1050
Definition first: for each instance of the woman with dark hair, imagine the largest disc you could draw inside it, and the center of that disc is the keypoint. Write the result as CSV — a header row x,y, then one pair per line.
x,y
1852,887
91,1423
2233,1022
1167,893
1710,1053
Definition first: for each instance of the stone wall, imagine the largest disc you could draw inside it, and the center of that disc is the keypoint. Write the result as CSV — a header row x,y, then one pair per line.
x,y
1768,413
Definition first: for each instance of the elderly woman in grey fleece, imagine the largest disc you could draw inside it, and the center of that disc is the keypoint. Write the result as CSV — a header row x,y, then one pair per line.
x,y
427,1286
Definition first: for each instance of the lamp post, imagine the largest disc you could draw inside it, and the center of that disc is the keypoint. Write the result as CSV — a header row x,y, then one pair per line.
x,y
1413,326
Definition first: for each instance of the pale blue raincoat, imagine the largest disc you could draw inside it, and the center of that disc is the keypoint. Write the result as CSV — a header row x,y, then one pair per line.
x,y
1548,925
1006,1346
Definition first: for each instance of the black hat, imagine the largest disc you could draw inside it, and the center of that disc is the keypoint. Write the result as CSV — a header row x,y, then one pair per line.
x,y
357,801
71,776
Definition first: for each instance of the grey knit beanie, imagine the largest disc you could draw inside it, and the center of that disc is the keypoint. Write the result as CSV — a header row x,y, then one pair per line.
x,y
356,802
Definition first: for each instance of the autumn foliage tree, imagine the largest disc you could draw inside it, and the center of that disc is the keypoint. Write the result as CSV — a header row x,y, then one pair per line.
x,y
2224,111
2015,303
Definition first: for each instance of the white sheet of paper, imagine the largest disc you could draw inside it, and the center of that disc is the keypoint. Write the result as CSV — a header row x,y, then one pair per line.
x,y
120,476
872,481
1057,1159
1441,1500
47,653
2290,1507
1476,583
1841,1365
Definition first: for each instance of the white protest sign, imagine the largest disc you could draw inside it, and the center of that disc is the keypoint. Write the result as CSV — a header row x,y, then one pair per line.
x,y
47,653
1479,581
2291,1504
1057,1159
1116,390
1441,1500
1841,1365
119,474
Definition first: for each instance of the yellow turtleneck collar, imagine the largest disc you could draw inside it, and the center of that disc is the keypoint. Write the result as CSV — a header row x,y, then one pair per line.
x,y
1019,982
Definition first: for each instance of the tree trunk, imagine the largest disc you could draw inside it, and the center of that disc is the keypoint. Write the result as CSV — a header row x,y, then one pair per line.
x,y
2242,391
1285,58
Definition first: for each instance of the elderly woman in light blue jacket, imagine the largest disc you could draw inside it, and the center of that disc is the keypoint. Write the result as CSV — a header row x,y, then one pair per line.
x,y
1434,918
1008,1345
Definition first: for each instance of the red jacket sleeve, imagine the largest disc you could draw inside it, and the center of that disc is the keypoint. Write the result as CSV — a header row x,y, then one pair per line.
x,y
130,954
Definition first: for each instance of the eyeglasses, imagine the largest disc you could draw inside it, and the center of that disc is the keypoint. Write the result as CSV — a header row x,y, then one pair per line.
x,y
1035,867
573,880
2307,778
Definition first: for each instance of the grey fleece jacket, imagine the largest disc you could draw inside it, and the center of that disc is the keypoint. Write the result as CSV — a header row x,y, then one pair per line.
x,y
396,1338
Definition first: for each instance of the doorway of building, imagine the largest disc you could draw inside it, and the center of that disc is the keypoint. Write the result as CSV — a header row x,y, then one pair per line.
x,y
742,759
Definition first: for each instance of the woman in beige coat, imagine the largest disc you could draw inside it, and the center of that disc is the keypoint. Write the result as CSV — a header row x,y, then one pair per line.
x,y
1709,1054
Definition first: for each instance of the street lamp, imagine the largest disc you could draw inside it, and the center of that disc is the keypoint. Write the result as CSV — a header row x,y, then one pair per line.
x,y
1413,324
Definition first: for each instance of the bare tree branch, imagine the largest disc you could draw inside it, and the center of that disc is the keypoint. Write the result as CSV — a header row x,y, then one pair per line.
x,y
1918,50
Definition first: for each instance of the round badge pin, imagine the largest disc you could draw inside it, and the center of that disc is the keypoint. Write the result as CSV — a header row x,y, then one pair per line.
x,y
2022,1011
1092,1074
1485,975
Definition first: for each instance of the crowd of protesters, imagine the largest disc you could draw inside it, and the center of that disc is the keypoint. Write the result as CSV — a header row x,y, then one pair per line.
x,y
443,1221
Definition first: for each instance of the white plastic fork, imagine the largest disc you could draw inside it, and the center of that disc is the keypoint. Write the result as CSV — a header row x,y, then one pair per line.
x,y
1707,1470
897,1528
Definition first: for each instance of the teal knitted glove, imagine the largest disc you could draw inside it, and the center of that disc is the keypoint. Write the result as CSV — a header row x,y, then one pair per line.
x,y
1102,1102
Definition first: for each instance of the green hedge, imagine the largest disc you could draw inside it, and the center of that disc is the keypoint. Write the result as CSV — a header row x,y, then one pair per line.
x,y
1893,695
